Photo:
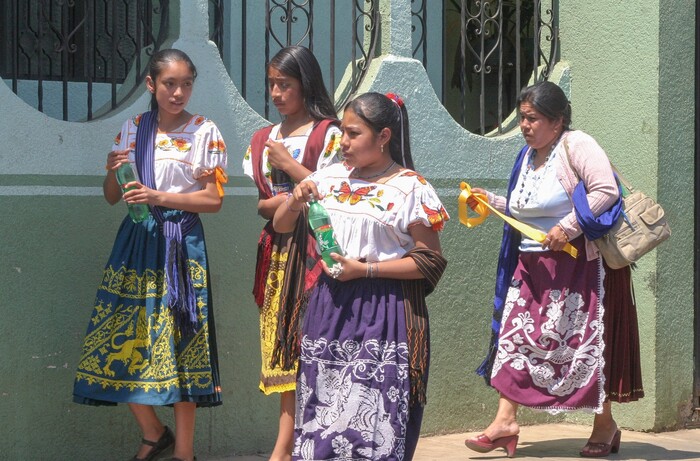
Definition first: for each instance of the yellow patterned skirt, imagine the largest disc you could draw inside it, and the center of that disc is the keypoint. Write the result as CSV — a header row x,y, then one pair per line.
x,y
274,380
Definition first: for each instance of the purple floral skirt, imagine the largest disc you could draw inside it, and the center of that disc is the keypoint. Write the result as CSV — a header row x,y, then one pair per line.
x,y
353,383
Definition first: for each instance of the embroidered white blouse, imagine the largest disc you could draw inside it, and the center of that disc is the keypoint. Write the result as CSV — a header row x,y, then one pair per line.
x,y
182,156
296,146
370,220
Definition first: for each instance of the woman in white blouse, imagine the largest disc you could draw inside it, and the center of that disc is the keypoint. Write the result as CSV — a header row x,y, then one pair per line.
x,y
150,340
364,348
564,329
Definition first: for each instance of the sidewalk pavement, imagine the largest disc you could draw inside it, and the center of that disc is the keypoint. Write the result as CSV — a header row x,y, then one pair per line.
x,y
552,442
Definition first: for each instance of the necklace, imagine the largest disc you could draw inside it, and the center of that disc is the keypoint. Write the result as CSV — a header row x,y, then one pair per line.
x,y
391,165
530,185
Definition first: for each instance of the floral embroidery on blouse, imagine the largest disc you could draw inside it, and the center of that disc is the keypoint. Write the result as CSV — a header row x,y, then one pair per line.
x,y
333,146
137,120
199,120
436,217
216,146
248,153
179,144
118,140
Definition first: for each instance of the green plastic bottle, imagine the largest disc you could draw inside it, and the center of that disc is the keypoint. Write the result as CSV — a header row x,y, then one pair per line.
x,y
137,211
323,231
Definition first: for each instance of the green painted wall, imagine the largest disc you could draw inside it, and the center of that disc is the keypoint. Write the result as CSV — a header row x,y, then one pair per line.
x,y
632,89
629,71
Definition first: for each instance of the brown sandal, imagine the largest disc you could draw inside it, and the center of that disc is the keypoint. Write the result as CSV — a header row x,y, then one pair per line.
x,y
166,441
601,450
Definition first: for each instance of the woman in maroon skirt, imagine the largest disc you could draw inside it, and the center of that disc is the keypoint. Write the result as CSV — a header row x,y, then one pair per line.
x,y
565,329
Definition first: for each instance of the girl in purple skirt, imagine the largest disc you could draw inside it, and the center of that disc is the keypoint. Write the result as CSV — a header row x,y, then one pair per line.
x,y
364,350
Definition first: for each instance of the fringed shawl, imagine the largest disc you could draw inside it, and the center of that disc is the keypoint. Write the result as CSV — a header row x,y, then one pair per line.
x,y
312,151
180,291
432,265
507,261
303,270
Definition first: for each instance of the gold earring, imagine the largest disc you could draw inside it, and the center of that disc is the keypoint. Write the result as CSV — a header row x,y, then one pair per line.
x,y
382,148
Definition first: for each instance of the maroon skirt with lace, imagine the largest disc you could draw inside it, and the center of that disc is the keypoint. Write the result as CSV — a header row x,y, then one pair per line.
x,y
623,372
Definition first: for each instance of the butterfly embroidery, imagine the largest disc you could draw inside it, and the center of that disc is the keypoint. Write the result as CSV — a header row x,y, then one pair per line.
x,y
420,178
436,217
345,193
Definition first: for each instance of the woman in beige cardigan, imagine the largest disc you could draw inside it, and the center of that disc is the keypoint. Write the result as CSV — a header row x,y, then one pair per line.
x,y
565,329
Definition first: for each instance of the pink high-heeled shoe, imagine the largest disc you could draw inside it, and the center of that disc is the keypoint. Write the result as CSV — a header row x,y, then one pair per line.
x,y
601,450
483,444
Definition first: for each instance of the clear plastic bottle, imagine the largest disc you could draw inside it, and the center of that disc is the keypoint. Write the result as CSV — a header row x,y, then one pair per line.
x,y
137,211
321,225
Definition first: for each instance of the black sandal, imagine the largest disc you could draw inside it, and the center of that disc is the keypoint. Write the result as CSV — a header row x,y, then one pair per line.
x,y
166,441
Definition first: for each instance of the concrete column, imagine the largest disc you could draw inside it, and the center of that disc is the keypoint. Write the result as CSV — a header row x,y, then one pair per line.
x,y
194,19
396,27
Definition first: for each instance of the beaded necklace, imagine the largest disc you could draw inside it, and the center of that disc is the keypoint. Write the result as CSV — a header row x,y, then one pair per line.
x,y
378,174
535,179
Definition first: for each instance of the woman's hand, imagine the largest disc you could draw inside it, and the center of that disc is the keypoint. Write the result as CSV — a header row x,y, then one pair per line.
x,y
555,239
110,186
135,192
350,268
471,201
116,158
278,155
306,191
285,217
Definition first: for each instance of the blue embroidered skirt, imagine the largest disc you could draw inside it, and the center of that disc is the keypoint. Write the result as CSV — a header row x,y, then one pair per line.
x,y
132,352
353,384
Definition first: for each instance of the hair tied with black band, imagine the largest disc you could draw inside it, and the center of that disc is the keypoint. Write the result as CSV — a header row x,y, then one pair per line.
x,y
396,98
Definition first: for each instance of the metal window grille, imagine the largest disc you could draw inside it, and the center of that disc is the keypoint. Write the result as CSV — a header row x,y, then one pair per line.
x,y
338,32
52,50
491,50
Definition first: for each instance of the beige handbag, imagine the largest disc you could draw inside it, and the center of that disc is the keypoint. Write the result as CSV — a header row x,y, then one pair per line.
x,y
641,227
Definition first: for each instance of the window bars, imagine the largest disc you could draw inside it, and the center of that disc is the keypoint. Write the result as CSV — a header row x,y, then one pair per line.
x,y
502,46
54,52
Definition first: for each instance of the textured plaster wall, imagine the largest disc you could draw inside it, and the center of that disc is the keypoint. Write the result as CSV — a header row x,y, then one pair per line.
x,y
629,81
631,88
676,190
57,232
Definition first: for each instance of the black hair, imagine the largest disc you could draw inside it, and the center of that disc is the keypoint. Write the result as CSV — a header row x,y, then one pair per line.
x,y
300,63
549,100
378,112
160,60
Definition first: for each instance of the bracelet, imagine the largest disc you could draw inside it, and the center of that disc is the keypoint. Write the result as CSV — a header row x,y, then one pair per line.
x,y
286,202
563,231
372,270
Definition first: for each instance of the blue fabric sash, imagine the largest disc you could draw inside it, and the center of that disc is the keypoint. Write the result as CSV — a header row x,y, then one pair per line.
x,y
181,295
595,227
507,261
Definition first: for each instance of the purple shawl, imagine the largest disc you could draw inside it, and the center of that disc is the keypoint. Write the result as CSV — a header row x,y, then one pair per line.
x,y
181,296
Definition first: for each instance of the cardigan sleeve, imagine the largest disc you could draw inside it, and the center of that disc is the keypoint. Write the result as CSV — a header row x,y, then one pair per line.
x,y
496,201
589,163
